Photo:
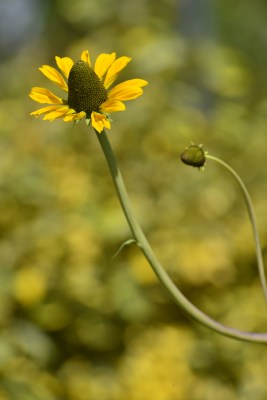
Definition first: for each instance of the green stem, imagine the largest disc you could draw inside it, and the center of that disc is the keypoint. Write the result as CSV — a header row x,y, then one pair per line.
x,y
252,218
192,311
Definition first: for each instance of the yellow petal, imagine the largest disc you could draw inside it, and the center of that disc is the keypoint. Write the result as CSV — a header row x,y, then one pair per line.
x,y
135,82
43,110
54,76
99,121
127,90
112,105
114,69
59,113
42,95
74,116
85,56
64,64
126,93
103,62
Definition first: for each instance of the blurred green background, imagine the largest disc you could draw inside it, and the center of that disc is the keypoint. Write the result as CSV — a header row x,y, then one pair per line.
x,y
75,323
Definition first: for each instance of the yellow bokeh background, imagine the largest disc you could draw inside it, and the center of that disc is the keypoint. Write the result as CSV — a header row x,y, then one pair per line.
x,y
77,323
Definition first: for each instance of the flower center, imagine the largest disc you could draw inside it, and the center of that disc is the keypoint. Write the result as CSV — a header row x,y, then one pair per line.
x,y
86,91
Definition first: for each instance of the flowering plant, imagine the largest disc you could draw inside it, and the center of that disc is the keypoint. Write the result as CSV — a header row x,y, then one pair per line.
x,y
90,96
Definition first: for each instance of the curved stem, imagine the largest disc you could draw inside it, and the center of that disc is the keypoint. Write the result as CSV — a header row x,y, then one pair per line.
x,y
192,311
252,218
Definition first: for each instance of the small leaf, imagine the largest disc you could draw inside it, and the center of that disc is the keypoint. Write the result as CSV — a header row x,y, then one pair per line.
x,y
126,243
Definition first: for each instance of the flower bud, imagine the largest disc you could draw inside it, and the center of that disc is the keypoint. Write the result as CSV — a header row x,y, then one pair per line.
x,y
194,155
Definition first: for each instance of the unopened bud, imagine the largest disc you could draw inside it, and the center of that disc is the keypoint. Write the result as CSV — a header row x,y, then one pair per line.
x,y
194,155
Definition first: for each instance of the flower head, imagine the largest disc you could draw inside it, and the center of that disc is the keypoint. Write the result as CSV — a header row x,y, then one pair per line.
x,y
88,88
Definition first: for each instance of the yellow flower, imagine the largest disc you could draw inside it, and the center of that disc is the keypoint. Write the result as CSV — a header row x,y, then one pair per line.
x,y
89,93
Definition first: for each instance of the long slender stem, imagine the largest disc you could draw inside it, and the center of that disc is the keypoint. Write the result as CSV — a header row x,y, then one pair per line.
x,y
192,311
252,218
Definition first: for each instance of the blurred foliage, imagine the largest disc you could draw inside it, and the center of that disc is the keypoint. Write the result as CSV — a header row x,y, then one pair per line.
x,y
75,323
